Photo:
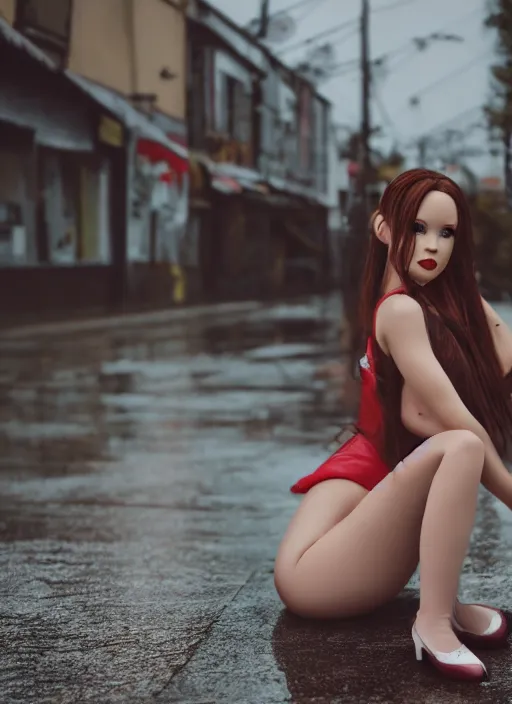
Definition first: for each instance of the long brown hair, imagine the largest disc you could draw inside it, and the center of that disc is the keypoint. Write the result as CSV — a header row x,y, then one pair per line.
x,y
454,295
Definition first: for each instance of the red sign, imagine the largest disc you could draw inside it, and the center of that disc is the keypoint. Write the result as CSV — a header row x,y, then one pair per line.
x,y
157,152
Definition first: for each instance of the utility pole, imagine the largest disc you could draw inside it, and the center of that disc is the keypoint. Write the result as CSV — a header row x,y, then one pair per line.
x,y
365,163
507,142
354,250
264,18
422,152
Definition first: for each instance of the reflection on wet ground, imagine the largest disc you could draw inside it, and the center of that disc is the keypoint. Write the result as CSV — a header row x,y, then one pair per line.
x,y
144,480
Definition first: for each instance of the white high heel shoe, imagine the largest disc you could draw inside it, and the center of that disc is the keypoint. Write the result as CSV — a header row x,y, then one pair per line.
x,y
460,664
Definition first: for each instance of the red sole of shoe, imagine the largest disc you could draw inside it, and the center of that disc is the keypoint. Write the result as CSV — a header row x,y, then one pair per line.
x,y
492,642
468,674
483,643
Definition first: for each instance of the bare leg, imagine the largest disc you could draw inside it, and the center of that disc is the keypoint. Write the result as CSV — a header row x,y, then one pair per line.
x,y
475,619
367,558
445,533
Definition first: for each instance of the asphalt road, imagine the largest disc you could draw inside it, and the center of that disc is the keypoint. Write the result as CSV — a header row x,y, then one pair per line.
x,y
144,476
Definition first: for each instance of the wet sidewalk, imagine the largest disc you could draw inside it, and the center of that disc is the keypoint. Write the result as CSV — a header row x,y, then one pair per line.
x,y
144,480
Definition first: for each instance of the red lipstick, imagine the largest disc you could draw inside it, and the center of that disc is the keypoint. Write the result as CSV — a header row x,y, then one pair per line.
x,y
429,264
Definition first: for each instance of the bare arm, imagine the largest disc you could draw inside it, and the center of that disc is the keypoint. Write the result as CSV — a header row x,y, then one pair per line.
x,y
401,327
502,336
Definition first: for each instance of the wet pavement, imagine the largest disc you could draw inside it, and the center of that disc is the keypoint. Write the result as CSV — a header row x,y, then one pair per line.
x,y
144,476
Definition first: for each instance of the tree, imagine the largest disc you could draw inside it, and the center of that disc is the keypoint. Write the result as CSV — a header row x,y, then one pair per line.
x,y
499,109
492,225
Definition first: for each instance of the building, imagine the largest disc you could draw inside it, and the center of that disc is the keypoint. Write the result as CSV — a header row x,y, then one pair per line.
x,y
163,155
296,138
226,67
110,199
259,138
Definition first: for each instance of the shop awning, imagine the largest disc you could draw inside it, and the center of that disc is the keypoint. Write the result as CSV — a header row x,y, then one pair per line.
x,y
155,152
127,114
241,178
225,184
112,102
230,179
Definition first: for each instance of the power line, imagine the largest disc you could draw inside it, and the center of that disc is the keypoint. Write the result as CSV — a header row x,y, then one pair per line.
x,y
392,6
294,6
333,30
303,3
446,123
453,74
354,63
320,35
411,51
343,67
384,113
405,50
354,24
310,10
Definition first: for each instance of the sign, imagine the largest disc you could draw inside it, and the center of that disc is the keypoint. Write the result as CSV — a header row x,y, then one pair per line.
x,y
111,132
389,172
491,183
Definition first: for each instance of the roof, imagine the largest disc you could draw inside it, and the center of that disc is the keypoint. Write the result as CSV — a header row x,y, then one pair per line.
x,y
258,45
111,101
124,111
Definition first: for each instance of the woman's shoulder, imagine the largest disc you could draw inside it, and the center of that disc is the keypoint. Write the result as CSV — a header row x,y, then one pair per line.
x,y
396,318
400,309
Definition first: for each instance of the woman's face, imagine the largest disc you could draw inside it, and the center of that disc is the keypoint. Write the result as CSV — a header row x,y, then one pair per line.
x,y
434,232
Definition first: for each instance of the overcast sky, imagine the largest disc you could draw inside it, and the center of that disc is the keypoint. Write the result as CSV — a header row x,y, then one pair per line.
x,y
451,78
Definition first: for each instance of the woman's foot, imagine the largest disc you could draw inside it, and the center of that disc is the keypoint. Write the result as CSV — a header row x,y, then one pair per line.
x,y
457,663
480,626
438,634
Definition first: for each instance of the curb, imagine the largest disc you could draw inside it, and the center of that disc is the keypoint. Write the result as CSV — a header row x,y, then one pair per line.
x,y
173,315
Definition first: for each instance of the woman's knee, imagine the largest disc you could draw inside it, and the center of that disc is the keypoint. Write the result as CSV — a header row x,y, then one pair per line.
x,y
290,583
298,595
285,582
465,441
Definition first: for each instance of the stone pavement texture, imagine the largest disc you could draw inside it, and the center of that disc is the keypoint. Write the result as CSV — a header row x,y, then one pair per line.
x,y
144,476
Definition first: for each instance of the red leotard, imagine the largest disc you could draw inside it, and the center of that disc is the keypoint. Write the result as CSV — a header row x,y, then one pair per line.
x,y
359,459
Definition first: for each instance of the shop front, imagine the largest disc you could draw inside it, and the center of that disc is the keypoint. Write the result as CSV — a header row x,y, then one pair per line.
x,y
54,192
68,152
157,223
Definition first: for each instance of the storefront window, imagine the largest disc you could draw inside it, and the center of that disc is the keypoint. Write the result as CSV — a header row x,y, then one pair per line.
x,y
59,212
191,242
77,216
158,211
15,236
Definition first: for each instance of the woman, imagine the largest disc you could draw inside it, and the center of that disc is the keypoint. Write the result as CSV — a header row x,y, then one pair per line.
x,y
433,406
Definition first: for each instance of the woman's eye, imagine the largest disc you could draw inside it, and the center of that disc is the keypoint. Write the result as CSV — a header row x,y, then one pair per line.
x,y
419,228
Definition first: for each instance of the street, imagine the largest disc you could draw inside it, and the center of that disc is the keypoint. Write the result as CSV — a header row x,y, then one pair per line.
x,y
145,474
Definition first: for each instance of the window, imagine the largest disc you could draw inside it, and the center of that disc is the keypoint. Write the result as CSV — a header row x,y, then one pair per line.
x,y
238,107
74,214
46,23
13,197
